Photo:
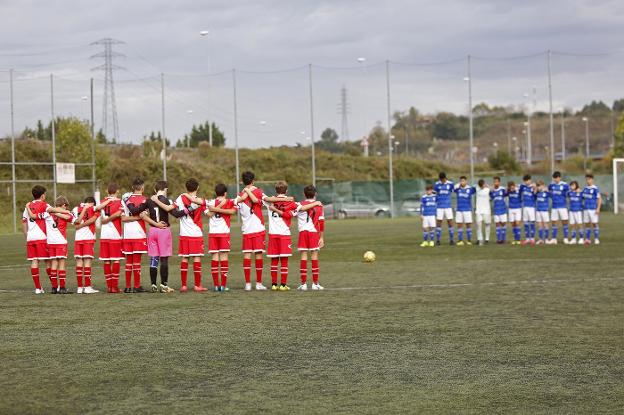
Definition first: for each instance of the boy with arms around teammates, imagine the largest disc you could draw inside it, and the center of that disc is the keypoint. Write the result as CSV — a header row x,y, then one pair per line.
x,y
85,217
559,190
575,196
514,198
542,201
483,212
220,210
592,202
463,214
443,189
111,233
498,195
134,243
428,216
527,193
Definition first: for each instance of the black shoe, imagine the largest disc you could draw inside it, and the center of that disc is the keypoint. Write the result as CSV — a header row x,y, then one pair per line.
x,y
139,290
452,243
62,291
127,290
54,291
487,242
438,243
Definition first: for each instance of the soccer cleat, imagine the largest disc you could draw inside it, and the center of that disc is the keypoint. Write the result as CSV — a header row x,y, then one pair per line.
x,y
540,242
39,291
247,286
459,243
127,290
596,241
581,241
216,289
424,244
317,287
553,242
63,291
183,289
572,242
90,290
303,287
468,243
587,242
431,243
154,288
139,290
566,241
79,290
274,287
284,287
260,287
438,243
54,291
199,289
165,289
225,290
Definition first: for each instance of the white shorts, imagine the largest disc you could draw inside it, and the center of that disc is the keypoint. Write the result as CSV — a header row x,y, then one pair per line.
x,y
484,217
500,218
559,214
576,218
528,214
444,214
543,217
463,217
515,215
429,222
590,216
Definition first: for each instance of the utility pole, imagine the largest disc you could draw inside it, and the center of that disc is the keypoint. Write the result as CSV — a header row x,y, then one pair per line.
x,y
390,168
312,124
13,152
551,116
53,135
93,143
162,114
343,110
109,102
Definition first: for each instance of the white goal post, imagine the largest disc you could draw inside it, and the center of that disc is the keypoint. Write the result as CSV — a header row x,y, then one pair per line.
x,y
616,206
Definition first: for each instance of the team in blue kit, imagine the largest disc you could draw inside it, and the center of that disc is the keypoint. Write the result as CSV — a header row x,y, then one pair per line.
x,y
537,206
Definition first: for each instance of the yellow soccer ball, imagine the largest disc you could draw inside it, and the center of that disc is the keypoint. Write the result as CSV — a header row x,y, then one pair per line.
x,y
369,256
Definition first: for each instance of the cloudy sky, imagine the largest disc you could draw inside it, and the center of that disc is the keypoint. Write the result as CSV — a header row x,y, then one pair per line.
x,y
271,42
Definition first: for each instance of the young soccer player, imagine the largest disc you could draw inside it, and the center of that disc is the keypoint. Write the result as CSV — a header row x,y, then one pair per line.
x,y
483,212
159,239
592,202
84,244
498,195
576,212
559,190
220,211
56,232
527,192
444,192
35,232
134,235
311,224
111,232
542,200
515,211
463,215
428,216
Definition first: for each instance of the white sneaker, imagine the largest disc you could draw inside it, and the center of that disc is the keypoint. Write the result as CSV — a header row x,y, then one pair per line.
x,y
260,287
79,290
90,290
553,242
566,241
581,241
596,241
317,287
572,242
248,286
303,287
39,291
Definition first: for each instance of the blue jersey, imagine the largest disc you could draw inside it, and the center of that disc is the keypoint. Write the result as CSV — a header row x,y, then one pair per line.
x,y
498,200
559,193
428,205
576,201
528,197
443,191
515,199
543,203
591,194
464,198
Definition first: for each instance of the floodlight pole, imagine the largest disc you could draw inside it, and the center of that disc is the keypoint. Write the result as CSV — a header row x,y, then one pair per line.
x,y
563,144
390,168
92,139
13,152
470,120
53,135
236,131
312,124
162,115
551,117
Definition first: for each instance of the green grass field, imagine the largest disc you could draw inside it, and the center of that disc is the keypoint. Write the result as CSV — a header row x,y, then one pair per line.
x,y
502,329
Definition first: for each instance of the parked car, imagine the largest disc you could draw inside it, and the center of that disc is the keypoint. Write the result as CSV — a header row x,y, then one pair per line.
x,y
362,207
410,207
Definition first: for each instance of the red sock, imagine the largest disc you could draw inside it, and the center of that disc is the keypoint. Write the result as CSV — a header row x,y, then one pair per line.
x,y
48,272
315,271
79,276
136,269
274,264
214,268
35,276
247,269
284,270
129,264
87,276
115,271
107,274
62,276
304,271
53,278
224,272
184,272
259,266
197,273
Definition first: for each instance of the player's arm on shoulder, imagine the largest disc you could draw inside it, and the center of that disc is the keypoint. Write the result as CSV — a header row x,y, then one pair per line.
x,y
51,209
251,195
126,218
241,198
166,207
303,208
63,216
273,199
102,205
146,218
273,209
30,213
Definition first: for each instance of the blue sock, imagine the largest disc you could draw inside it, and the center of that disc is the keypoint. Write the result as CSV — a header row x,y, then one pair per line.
x,y
555,230
451,233
596,232
541,233
504,233
426,235
516,232
460,234
588,233
532,230
565,231
527,231
546,233
573,233
438,233
469,234
431,235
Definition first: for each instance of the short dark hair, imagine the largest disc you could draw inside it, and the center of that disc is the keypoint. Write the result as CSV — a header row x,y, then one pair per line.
x,y
526,177
463,178
574,183
511,183
309,191
112,188
220,189
429,187
481,182
61,201
248,178
496,178
556,174
442,175
192,184
38,191
89,199
589,176
281,187
137,183
160,185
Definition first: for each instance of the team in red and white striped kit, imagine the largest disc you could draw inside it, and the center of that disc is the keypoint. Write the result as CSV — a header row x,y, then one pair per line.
x,y
124,236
